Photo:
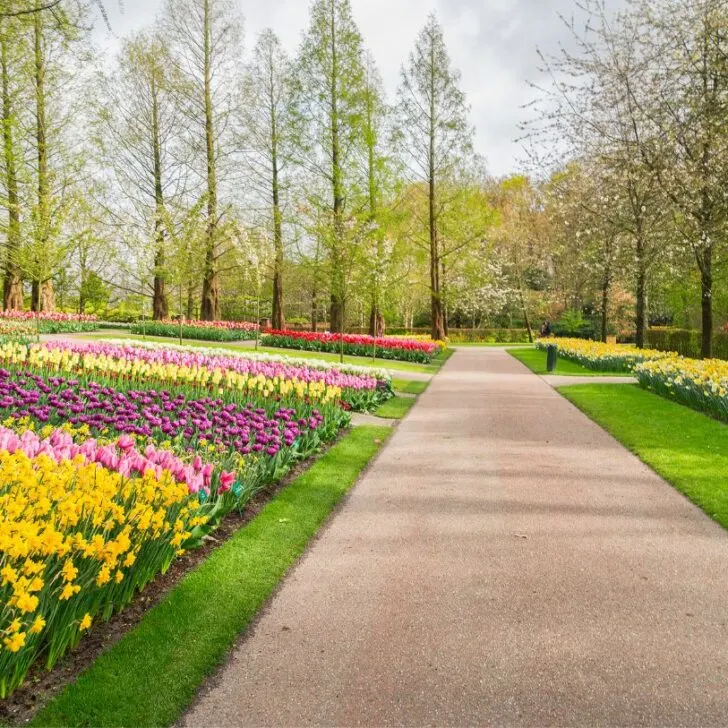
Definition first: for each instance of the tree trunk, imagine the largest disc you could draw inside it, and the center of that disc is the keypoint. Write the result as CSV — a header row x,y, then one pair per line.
x,y
605,307
437,323
190,300
376,322
641,294
314,311
47,296
336,318
160,304
12,284
706,303
277,315
210,308
43,285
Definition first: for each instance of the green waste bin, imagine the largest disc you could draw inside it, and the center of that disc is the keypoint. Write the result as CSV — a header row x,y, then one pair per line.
x,y
551,357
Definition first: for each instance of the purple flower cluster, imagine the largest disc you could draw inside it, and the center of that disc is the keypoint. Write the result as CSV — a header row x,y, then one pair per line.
x,y
153,414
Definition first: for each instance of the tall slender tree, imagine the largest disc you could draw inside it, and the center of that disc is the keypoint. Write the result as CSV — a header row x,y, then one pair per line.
x,y
267,117
330,85
206,36
435,139
139,126
10,38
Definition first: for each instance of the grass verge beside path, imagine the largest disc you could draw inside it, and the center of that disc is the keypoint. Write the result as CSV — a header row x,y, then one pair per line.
x,y
409,386
687,448
535,360
294,353
155,671
396,408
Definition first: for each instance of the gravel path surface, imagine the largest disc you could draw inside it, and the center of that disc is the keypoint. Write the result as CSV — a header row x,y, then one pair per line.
x,y
504,562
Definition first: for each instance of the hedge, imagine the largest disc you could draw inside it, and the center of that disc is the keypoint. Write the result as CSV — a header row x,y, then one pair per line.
x,y
686,342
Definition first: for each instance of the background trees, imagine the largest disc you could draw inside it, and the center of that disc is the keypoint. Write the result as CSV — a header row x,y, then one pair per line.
x,y
195,176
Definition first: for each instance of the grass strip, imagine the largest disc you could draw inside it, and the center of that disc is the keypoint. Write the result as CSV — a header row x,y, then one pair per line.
x,y
687,448
409,386
153,673
396,408
535,360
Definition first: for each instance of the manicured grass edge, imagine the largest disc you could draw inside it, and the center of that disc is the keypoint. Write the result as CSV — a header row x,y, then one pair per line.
x,y
395,408
410,386
154,672
564,367
685,447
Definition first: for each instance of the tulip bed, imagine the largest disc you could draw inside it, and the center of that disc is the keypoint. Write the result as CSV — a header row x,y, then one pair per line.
x,y
699,384
354,344
203,330
382,376
52,323
116,459
191,368
598,356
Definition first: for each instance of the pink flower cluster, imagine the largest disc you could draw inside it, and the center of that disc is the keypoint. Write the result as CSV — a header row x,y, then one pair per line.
x,y
241,365
231,325
57,316
121,457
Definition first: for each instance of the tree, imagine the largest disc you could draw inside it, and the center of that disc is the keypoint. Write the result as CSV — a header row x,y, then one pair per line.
x,y
205,36
686,104
329,90
435,140
268,133
139,129
10,59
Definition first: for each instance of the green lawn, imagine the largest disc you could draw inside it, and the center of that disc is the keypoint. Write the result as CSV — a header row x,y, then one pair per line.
x,y
396,408
155,671
535,360
409,386
687,448
325,356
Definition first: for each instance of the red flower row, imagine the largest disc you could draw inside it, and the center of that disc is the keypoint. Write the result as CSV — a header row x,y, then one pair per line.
x,y
428,347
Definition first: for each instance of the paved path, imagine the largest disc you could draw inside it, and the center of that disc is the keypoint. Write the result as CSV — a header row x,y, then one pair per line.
x,y
504,562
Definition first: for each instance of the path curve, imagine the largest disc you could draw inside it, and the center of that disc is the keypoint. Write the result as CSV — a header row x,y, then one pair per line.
x,y
504,561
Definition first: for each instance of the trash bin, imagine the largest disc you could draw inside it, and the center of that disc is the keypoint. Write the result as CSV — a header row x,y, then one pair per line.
x,y
551,357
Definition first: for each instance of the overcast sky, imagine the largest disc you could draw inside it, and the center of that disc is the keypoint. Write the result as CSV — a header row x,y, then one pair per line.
x,y
492,42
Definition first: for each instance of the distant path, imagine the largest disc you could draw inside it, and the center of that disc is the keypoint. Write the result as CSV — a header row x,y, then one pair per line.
x,y
504,562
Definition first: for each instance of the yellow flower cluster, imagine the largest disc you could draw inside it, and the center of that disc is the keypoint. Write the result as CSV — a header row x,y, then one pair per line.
x,y
599,356
89,363
77,540
701,384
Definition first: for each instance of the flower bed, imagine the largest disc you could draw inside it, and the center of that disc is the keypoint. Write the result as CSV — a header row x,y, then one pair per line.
x,y
203,371
383,377
600,357
204,330
354,345
700,384
104,479
52,322
77,540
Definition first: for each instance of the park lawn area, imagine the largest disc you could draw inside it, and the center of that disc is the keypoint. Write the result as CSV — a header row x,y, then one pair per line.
x,y
294,353
467,344
396,408
685,447
154,672
409,386
535,360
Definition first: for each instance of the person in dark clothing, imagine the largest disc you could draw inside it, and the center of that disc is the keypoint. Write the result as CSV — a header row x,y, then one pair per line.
x,y
545,329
